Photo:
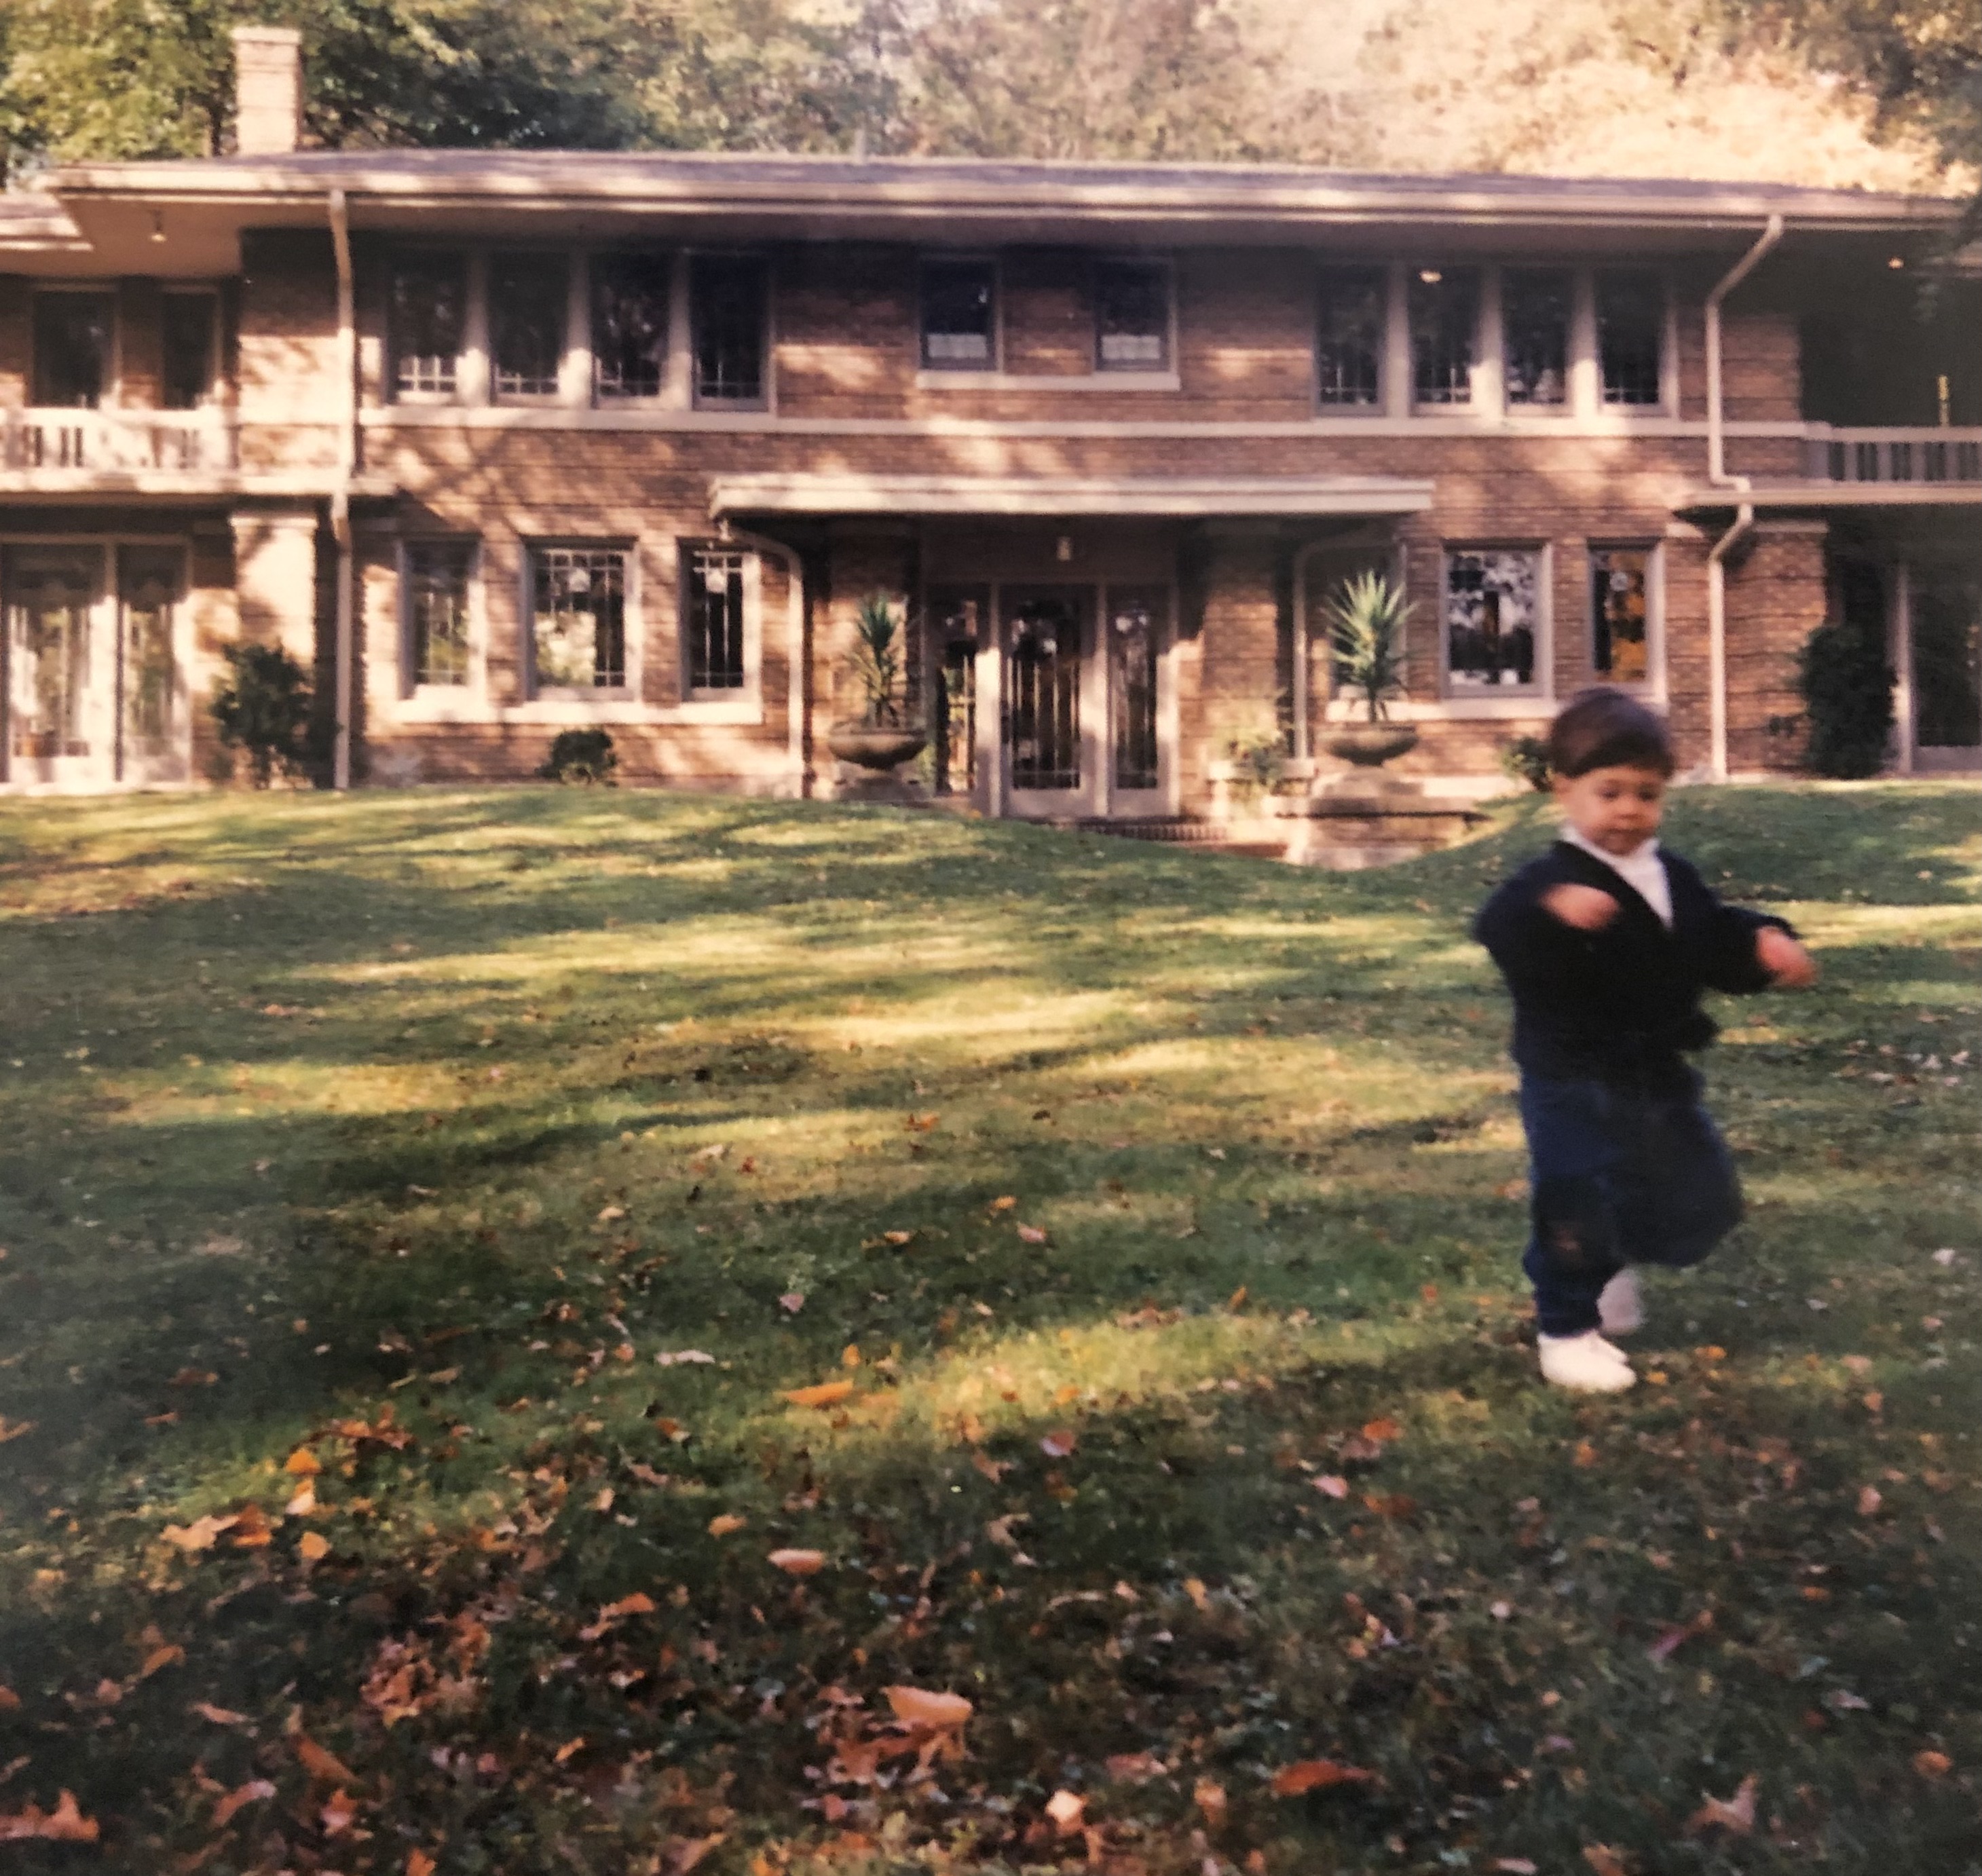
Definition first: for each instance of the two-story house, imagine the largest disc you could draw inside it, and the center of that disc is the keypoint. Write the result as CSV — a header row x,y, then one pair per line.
x,y
503,443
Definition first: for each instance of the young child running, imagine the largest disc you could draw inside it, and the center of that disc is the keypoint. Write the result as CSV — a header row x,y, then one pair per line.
x,y
1607,942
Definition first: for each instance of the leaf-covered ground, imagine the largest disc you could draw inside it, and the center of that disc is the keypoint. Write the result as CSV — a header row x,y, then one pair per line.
x,y
524,1316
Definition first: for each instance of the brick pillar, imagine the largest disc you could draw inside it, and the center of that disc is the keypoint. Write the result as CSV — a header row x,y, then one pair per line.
x,y
268,90
275,579
1776,598
1239,667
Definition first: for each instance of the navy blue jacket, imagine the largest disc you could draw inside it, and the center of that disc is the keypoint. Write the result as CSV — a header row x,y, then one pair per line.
x,y
1622,1004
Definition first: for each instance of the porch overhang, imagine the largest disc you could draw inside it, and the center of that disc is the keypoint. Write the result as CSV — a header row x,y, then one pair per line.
x,y
174,488
1831,498
1163,497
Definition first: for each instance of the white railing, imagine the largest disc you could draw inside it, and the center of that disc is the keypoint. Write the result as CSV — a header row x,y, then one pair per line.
x,y
117,442
1839,453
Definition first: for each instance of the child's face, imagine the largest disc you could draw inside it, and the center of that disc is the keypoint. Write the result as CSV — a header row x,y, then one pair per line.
x,y
1616,809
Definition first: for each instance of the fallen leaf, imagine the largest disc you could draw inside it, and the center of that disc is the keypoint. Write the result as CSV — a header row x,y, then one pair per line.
x,y
1869,1499
791,1302
999,1529
798,1563
314,1546
900,1238
1032,1234
916,1707
320,1763
1671,1639
923,1124
199,1535
825,1395
568,1750
252,1531
304,1504
850,1356
303,1463
160,1658
65,1824
1382,1429
10,1701
1332,1485
1603,1860
419,1864
1059,1443
219,1716
724,1523
1065,1810
1316,1775
1735,1814
1932,1764
1209,1796
1516,1866
13,1430
252,1792
684,1357
1194,1587
639,1602
193,1377
1006,1204
1134,1767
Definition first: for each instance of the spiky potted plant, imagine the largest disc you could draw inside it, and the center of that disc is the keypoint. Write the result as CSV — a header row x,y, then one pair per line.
x,y
1367,617
879,738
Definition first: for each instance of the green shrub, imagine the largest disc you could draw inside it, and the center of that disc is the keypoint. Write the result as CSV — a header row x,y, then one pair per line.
x,y
1847,695
586,755
1526,760
263,709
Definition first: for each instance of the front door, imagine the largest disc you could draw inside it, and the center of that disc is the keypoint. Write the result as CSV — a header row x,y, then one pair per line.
x,y
1946,672
1138,780
94,692
1052,703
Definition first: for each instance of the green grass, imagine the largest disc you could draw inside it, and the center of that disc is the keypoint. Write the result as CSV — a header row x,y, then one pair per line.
x,y
467,1106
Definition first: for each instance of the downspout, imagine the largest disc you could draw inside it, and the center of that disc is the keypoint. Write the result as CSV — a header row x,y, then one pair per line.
x,y
340,498
1744,515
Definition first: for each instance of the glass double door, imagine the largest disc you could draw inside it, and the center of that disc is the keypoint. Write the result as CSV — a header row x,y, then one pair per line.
x,y
94,689
1082,716
1947,634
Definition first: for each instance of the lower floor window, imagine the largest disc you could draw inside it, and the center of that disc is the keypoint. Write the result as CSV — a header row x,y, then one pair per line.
x,y
578,618
437,575
1619,611
713,622
1492,620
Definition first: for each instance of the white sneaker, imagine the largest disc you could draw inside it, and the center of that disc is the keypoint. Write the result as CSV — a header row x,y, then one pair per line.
x,y
1585,1363
1621,1308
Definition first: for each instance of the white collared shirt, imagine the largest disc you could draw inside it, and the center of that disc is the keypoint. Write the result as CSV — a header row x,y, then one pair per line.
x,y
1641,869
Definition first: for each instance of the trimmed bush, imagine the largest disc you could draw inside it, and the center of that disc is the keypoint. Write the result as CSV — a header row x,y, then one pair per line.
x,y
263,709
1847,695
581,756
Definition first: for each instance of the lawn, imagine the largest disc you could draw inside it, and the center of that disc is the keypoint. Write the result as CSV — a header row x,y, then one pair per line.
x,y
524,1316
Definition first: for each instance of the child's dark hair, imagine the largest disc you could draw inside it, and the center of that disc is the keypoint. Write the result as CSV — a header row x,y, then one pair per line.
x,y
1604,729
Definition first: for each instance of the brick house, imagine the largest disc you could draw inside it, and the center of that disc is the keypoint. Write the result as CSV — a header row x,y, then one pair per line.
x,y
504,443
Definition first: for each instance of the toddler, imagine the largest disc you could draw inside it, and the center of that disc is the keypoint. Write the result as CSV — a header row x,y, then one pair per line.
x,y
1607,942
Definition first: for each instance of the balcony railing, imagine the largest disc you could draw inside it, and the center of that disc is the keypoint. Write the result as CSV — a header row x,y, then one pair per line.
x,y
1904,456
118,442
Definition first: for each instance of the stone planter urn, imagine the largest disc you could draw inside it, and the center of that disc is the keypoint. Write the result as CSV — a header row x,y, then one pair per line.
x,y
876,746
1368,745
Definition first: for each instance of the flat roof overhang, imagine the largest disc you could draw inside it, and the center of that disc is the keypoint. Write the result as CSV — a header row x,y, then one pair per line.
x,y
201,208
1824,499
1161,497
170,487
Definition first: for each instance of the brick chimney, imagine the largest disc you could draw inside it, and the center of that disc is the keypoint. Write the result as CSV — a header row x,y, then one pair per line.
x,y
268,90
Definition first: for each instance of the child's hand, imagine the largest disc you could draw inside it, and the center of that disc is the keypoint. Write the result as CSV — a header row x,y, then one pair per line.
x,y
1583,907
1789,966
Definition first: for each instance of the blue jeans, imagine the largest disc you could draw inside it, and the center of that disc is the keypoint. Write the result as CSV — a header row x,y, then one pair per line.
x,y
1617,1177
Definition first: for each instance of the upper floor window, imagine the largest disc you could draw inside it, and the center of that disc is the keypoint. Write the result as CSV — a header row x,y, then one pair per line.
x,y
1631,335
959,316
1535,313
1492,620
529,298
578,619
631,298
429,318
1445,332
1348,337
435,576
189,339
74,333
1131,316
713,651
729,307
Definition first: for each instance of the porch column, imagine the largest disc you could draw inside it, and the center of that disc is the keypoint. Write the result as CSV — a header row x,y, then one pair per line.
x,y
1900,644
1239,668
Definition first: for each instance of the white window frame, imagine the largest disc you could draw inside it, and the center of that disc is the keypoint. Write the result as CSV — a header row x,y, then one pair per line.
x,y
1652,689
748,693
1498,700
1567,409
1387,275
472,374
476,684
573,341
1668,404
672,392
573,698
1162,264
1484,403
766,401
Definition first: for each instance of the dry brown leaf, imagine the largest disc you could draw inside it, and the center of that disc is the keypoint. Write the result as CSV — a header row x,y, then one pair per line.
x,y
791,1302
825,1395
1194,1587
1735,1814
798,1563
1004,1204
419,1864
219,1716
199,1535
1869,1499
303,1463
64,1825
193,1377
304,1504
252,1792
850,1356
1382,1429
1209,1796
314,1546
683,1853
252,1530
1603,1860
339,1813
917,1707
13,1430
1060,1443
1316,1775
1931,1764
724,1523
1332,1485
160,1658
1067,1809
10,1701
320,1762
1032,1234
1134,1767
570,1750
